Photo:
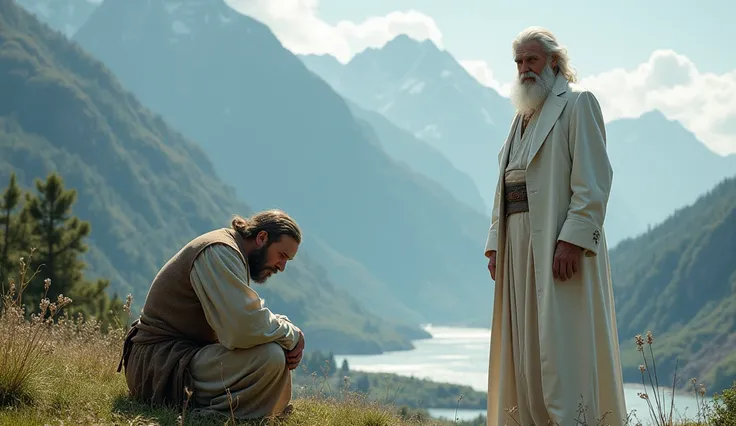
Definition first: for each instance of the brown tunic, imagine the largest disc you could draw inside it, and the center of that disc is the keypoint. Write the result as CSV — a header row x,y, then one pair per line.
x,y
172,327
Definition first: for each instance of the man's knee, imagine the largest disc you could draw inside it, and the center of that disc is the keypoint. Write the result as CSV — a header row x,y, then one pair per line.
x,y
272,356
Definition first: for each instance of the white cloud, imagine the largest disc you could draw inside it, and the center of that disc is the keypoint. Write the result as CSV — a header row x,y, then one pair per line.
x,y
298,27
705,103
484,74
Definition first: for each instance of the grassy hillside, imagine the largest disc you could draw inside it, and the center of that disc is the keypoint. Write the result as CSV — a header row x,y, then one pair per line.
x,y
63,370
72,380
67,375
145,189
680,279
290,141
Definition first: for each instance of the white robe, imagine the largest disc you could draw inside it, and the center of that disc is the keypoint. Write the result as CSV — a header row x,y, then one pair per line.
x,y
553,342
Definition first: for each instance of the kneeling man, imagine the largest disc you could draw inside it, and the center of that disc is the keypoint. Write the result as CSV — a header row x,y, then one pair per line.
x,y
204,328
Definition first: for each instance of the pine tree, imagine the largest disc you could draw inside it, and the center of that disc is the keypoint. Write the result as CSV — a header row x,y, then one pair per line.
x,y
363,385
45,223
58,237
331,364
345,368
10,201
13,230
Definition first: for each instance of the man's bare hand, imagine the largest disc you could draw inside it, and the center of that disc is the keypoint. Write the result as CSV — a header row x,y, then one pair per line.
x,y
566,261
492,264
294,356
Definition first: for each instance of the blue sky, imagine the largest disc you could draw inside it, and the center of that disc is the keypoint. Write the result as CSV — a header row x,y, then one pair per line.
x,y
600,36
636,56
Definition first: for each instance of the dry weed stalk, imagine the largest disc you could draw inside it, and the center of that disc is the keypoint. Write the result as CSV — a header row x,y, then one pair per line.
x,y
24,343
662,413
581,419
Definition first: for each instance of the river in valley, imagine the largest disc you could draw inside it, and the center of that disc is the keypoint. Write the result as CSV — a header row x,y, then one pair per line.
x,y
460,356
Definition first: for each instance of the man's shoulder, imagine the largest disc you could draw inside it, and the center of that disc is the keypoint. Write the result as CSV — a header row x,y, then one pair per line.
x,y
576,90
221,235
216,241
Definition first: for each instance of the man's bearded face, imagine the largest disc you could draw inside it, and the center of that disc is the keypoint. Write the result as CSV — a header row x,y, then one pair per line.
x,y
257,264
535,80
271,258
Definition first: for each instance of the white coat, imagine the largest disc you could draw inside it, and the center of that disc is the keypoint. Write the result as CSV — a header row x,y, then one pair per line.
x,y
569,180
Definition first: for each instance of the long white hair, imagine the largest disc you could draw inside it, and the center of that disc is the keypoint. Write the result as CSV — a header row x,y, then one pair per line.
x,y
551,47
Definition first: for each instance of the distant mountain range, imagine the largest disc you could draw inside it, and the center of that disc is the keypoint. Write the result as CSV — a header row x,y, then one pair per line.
x,y
658,165
426,91
425,95
679,281
144,187
285,139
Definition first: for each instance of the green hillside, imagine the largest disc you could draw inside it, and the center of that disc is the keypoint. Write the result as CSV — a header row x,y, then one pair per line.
x,y
144,188
290,141
679,281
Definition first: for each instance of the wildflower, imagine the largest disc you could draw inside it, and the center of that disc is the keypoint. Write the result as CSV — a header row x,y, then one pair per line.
x,y
128,302
639,342
46,283
62,301
642,368
44,305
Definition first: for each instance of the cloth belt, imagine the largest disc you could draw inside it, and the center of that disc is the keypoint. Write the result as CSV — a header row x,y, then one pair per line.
x,y
128,345
516,198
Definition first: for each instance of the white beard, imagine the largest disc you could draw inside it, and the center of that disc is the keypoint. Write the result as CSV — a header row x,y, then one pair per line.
x,y
528,96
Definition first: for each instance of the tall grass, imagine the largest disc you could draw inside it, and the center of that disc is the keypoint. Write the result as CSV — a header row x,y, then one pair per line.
x,y
24,341
661,411
57,370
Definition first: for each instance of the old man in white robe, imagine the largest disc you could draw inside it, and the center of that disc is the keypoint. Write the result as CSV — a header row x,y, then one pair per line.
x,y
554,341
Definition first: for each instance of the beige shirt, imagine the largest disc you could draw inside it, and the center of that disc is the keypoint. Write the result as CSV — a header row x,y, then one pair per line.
x,y
519,152
233,309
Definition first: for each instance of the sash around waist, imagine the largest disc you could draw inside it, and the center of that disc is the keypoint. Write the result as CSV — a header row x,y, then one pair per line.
x,y
516,198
